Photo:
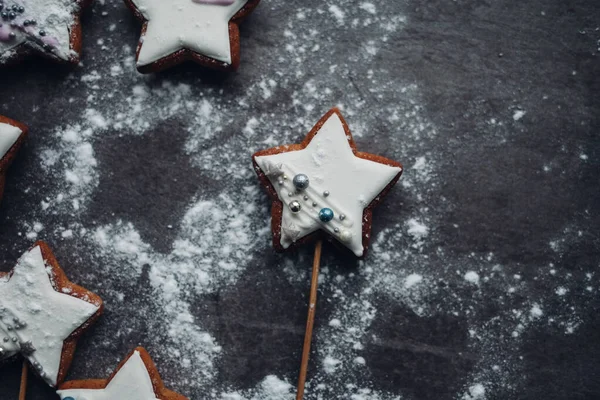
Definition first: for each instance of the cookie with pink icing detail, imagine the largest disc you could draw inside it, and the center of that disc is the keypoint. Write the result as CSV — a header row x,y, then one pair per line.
x,y
50,28
203,31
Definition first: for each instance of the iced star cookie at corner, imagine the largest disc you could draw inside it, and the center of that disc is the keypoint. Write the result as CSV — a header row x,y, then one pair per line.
x,y
203,31
51,28
324,184
42,314
136,378
12,136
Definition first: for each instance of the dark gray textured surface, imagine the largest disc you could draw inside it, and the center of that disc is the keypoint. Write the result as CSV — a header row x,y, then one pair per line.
x,y
523,190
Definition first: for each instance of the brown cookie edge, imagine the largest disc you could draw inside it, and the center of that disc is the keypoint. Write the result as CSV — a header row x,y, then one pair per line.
x,y
60,281
24,50
277,205
159,388
183,55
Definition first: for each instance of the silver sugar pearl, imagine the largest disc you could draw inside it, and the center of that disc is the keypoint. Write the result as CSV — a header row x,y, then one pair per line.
x,y
314,203
305,197
336,230
295,206
326,193
342,217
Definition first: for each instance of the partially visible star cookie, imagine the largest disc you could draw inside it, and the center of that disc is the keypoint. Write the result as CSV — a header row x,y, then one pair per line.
x,y
136,378
42,314
51,28
204,31
324,184
12,136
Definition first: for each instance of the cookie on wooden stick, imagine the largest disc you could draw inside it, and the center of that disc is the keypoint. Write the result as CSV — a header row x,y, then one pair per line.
x,y
136,378
321,188
43,314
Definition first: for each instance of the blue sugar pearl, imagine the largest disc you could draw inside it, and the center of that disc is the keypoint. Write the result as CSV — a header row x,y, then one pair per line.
x,y
68,398
301,181
326,214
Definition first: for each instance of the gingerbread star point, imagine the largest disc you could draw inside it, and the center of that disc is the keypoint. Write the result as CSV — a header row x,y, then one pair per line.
x,y
42,313
324,184
204,31
41,27
136,378
12,136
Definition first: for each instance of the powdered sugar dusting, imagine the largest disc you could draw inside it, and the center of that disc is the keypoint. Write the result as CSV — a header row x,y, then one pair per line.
x,y
222,231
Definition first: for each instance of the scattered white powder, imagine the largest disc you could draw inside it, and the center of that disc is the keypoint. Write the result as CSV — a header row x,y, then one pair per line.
x,y
336,323
412,280
476,392
330,364
536,311
472,277
518,114
418,231
337,13
369,7
561,291
271,388
360,361
221,232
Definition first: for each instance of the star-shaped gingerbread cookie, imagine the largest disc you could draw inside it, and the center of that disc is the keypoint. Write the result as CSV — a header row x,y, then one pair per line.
x,y
136,378
204,31
12,136
51,28
42,314
324,184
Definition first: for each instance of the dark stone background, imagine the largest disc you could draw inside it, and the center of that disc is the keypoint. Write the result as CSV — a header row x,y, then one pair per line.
x,y
471,60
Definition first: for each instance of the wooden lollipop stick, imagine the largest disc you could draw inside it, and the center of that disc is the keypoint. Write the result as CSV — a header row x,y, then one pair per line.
x,y
23,390
312,305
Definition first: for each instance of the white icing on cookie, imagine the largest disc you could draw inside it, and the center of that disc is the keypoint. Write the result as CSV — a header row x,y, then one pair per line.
x,y
186,24
331,166
132,382
36,319
52,22
8,137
